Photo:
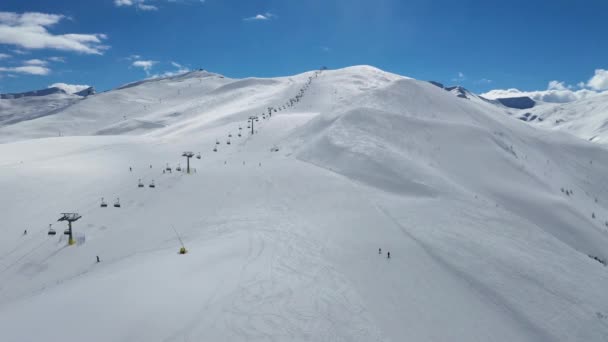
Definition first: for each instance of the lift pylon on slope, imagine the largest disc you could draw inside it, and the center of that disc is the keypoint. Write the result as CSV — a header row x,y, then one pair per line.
x,y
188,155
70,217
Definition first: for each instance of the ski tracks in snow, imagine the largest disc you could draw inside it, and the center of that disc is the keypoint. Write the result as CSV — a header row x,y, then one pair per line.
x,y
286,289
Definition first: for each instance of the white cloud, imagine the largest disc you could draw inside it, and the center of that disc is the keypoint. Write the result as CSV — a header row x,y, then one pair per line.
x,y
29,30
35,62
558,91
27,69
599,81
139,4
146,65
549,95
261,17
57,59
4,56
133,57
180,69
69,88
557,85
460,77
145,5
483,81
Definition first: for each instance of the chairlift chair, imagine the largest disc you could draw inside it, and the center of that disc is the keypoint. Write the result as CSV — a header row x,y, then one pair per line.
x,y
178,168
239,134
198,156
229,135
103,203
240,128
152,184
66,232
217,142
117,203
51,230
140,184
215,149
228,142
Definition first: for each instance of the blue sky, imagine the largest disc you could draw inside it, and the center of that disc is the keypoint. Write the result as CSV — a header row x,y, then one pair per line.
x,y
481,44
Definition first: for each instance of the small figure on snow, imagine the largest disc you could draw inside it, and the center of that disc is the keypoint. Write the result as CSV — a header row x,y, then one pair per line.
x,y
98,259
25,232
379,250
130,169
388,255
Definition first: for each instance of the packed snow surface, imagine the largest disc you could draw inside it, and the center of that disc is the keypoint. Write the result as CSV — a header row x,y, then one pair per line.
x,y
497,230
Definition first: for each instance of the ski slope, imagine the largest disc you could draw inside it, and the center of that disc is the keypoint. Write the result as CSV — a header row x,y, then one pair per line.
x,y
283,245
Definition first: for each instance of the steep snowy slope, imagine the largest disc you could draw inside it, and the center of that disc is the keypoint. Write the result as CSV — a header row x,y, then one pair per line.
x,y
283,245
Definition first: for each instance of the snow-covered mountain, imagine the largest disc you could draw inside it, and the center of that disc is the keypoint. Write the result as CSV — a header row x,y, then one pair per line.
x,y
585,118
497,229
31,105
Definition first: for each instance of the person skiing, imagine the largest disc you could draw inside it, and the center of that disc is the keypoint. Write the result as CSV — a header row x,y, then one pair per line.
x,y
25,232
388,255
130,169
379,250
98,259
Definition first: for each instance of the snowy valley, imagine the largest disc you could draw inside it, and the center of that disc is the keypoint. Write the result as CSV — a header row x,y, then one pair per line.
x,y
497,228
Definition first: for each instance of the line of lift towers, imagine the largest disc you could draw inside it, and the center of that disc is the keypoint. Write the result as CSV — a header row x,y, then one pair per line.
x,y
73,217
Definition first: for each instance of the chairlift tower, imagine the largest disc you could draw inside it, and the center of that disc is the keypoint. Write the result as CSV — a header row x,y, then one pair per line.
x,y
252,119
70,217
188,155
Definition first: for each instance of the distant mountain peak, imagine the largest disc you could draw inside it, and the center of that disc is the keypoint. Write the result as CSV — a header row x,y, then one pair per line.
x,y
521,102
41,92
86,92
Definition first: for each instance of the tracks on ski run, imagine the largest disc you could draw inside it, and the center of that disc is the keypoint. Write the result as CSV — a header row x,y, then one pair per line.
x,y
286,288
